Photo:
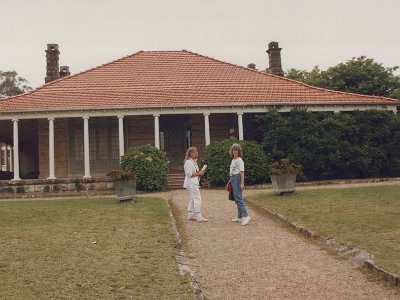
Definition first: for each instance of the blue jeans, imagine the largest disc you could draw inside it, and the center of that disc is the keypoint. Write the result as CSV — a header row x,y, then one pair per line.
x,y
237,195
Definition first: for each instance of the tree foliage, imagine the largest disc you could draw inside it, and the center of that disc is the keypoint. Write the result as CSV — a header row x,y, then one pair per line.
x,y
359,75
11,84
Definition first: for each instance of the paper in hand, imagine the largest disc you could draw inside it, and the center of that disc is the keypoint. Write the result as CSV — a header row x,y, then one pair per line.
x,y
204,168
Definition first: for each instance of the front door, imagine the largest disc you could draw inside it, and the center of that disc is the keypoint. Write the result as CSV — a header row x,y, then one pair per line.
x,y
174,129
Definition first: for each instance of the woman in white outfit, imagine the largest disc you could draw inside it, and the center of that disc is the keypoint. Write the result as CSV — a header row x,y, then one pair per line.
x,y
191,183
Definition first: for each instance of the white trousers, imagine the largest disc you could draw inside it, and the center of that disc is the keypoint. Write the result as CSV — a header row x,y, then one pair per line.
x,y
195,197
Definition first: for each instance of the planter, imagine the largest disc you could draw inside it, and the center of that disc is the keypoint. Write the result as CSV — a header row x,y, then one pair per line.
x,y
125,189
284,183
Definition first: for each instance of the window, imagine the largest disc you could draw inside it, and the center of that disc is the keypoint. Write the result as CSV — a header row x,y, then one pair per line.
x,y
188,139
103,145
162,141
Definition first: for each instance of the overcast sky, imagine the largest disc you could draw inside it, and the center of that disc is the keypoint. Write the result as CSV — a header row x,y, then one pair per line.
x,y
94,32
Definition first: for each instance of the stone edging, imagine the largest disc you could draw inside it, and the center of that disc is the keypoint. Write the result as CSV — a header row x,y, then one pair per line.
x,y
183,264
356,255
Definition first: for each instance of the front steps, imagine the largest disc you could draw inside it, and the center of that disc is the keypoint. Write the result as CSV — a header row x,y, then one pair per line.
x,y
175,181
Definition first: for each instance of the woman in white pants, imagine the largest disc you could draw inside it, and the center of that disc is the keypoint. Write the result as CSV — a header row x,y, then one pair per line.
x,y
191,183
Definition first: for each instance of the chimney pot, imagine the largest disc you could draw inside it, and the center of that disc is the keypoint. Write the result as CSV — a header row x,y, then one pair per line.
x,y
64,71
274,54
52,56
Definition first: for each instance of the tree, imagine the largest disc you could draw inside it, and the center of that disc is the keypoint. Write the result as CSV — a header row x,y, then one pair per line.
x,y
359,75
11,84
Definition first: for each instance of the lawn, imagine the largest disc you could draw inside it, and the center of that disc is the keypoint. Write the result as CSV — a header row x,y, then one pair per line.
x,y
367,217
89,249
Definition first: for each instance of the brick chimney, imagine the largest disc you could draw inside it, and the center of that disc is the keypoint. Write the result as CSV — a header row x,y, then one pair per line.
x,y
274,54
52,54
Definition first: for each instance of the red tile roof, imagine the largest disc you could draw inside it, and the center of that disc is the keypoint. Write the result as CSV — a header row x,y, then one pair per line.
x,y
172,79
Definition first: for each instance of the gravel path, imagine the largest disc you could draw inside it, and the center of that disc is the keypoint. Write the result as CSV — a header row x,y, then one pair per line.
x,y
264,260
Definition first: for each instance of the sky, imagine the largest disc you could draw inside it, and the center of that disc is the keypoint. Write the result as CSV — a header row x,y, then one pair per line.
x,y
90,33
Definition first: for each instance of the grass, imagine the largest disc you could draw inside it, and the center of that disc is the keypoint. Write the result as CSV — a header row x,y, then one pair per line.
x,y
89,249
367,217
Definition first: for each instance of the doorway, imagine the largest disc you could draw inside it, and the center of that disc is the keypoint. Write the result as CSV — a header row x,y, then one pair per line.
x,y
175,138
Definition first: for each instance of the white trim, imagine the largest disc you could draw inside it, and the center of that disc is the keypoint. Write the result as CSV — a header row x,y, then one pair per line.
x,y
4,149
51,150
11,158
16,155
86,148
240,125
207,128
156,131
121,135
253,108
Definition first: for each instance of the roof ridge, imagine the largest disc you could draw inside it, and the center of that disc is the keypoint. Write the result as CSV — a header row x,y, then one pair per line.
x,y
225,62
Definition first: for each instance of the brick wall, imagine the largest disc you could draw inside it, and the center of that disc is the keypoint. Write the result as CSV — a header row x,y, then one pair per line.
x,y
140,130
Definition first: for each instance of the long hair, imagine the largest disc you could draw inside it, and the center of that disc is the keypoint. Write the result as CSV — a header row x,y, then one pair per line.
x,y
238,148
188,151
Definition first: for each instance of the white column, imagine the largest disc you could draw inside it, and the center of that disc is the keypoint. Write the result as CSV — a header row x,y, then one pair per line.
x,y
207,128
86,147
4,149
121,135
16,155
240,125
11,158
156,131
51,149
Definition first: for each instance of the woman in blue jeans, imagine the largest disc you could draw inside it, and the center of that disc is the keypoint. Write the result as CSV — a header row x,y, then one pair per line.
x,y
236,174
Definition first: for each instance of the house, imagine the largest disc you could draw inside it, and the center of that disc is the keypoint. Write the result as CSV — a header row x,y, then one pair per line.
x,y
77,126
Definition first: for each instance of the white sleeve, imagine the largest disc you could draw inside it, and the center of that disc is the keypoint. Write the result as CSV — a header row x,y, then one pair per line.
x,y
188,168
241,165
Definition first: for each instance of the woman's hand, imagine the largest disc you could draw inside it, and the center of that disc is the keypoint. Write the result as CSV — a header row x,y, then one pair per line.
x,y
199,173
242,186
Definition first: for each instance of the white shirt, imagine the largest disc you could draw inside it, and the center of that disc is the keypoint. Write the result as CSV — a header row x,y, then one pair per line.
x,y
237,166
190,167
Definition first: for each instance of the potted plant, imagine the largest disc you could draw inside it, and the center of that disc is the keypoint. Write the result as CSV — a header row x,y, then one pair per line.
x,y
283,175
124,183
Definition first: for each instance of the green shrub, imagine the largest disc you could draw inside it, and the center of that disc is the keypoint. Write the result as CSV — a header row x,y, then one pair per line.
x,y
356,144
256,162
149,164
285,167
121,175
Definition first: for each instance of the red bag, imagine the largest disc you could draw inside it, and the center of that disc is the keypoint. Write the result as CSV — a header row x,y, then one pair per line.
x,y
229,186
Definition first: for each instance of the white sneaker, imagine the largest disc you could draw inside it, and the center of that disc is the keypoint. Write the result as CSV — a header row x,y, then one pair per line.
x,y
191,216
246,220
201,219
237,220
